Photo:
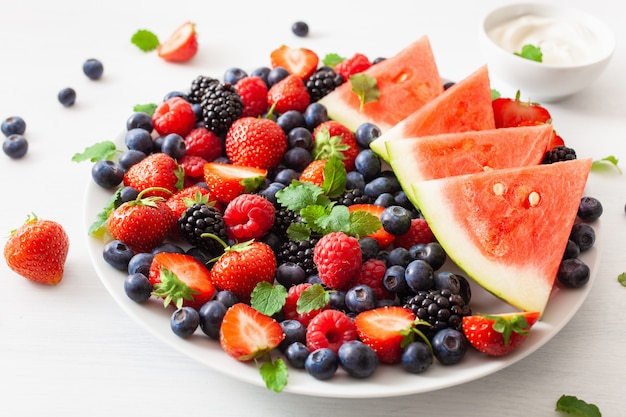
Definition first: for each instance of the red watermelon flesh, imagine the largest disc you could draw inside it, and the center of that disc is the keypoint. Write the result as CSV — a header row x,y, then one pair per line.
x,y
465,106
406,81
450,154
507,229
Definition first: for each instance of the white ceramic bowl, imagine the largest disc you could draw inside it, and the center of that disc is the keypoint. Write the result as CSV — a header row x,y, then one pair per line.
x,y
552,79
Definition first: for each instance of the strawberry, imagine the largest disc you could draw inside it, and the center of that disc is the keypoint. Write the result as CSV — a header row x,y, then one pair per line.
x,y
290,93
291,303
498,334
331,138
371,274
255,142
248,216
384,329
383,237
419,232
338,258
353,65
37,250
248,334
314,172
180,279
509,112
141,224
301,62
253,93
158,172
242,266
227,181
330,329
204,143
175,115
181,46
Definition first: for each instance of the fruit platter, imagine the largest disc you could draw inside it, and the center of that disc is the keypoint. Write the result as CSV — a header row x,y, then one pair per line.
x,y
380,167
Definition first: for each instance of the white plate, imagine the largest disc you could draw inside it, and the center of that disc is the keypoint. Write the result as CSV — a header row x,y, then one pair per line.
x,y
387,381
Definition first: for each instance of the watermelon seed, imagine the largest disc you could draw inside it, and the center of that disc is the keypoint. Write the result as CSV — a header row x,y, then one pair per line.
x,y
534,198
498,188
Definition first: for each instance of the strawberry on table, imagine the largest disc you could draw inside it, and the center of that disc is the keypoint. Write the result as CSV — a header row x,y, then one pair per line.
x,y
181,280
512,112
498,334
290,93
181,46
158,172
255,142
175,115
301,62
227,181
37,250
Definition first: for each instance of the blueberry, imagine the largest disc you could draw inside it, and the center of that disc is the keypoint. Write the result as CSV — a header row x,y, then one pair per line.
x,y
67,97
211,315
396,220
416,357
15,146
270,191
368,164
275,75
337,300
130,157
387,302
449,346
13,125
175,93
294,332
395,281
127,194
299,137
314,115
140,120
107,174
589,209
399,256
93,69
432,253
262,73
379,185
139,140
419,276
140,264
385,200
297,158
201,254
296,354
357,359
184,321
446,280
402,199
290,120
138,287
117,254
167,247
571,250
289,274
300,29
285,177
369,248
322,363
355,180
583,235
573,273
360,298
448,85
173,145
228,298
234,74
366,133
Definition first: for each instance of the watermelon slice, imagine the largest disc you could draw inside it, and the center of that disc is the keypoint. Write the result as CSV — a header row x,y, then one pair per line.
x,y
507,229
449,154
405,83
463,107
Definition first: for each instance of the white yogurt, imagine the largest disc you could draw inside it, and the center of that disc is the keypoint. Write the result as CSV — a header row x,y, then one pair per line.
x,y
562,41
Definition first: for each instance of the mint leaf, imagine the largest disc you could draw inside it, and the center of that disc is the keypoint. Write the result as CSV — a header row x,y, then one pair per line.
x,y
97,152
334,178
604,163
145,108
311,214
99,227
299,231
145,40
365,87
298,195
337,220
274,374
621,278
572,405
332,59
267,298
363,223
531,52
313,298
495,94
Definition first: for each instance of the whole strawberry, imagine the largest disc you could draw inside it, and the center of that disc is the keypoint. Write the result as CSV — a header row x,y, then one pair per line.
x,y
141,224
314,172
290,93
330,139
37,250
253,93
159,172
338,259
255,142
242,266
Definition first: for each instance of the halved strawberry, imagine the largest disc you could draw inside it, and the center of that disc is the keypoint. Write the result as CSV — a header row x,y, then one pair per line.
x,y
227,181
181,46
298,61
247,334
181,279
383,237
498,334
383,329
512,112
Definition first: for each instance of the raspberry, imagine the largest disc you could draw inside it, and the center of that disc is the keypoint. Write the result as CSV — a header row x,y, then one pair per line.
x,y
338,259
253,93
418,233
174,116
194,168
350,66
371,274
330,329
248,216
289,309
204,143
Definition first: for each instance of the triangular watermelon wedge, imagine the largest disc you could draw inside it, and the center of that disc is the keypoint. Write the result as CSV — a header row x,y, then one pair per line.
x,y
463,107
450,154
405,81
507,229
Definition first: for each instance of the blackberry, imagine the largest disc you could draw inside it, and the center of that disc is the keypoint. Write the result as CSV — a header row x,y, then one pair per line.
x,y
300,253
202,218
441,308
559,154
200,86
322,82
283,217
221,106
355,196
